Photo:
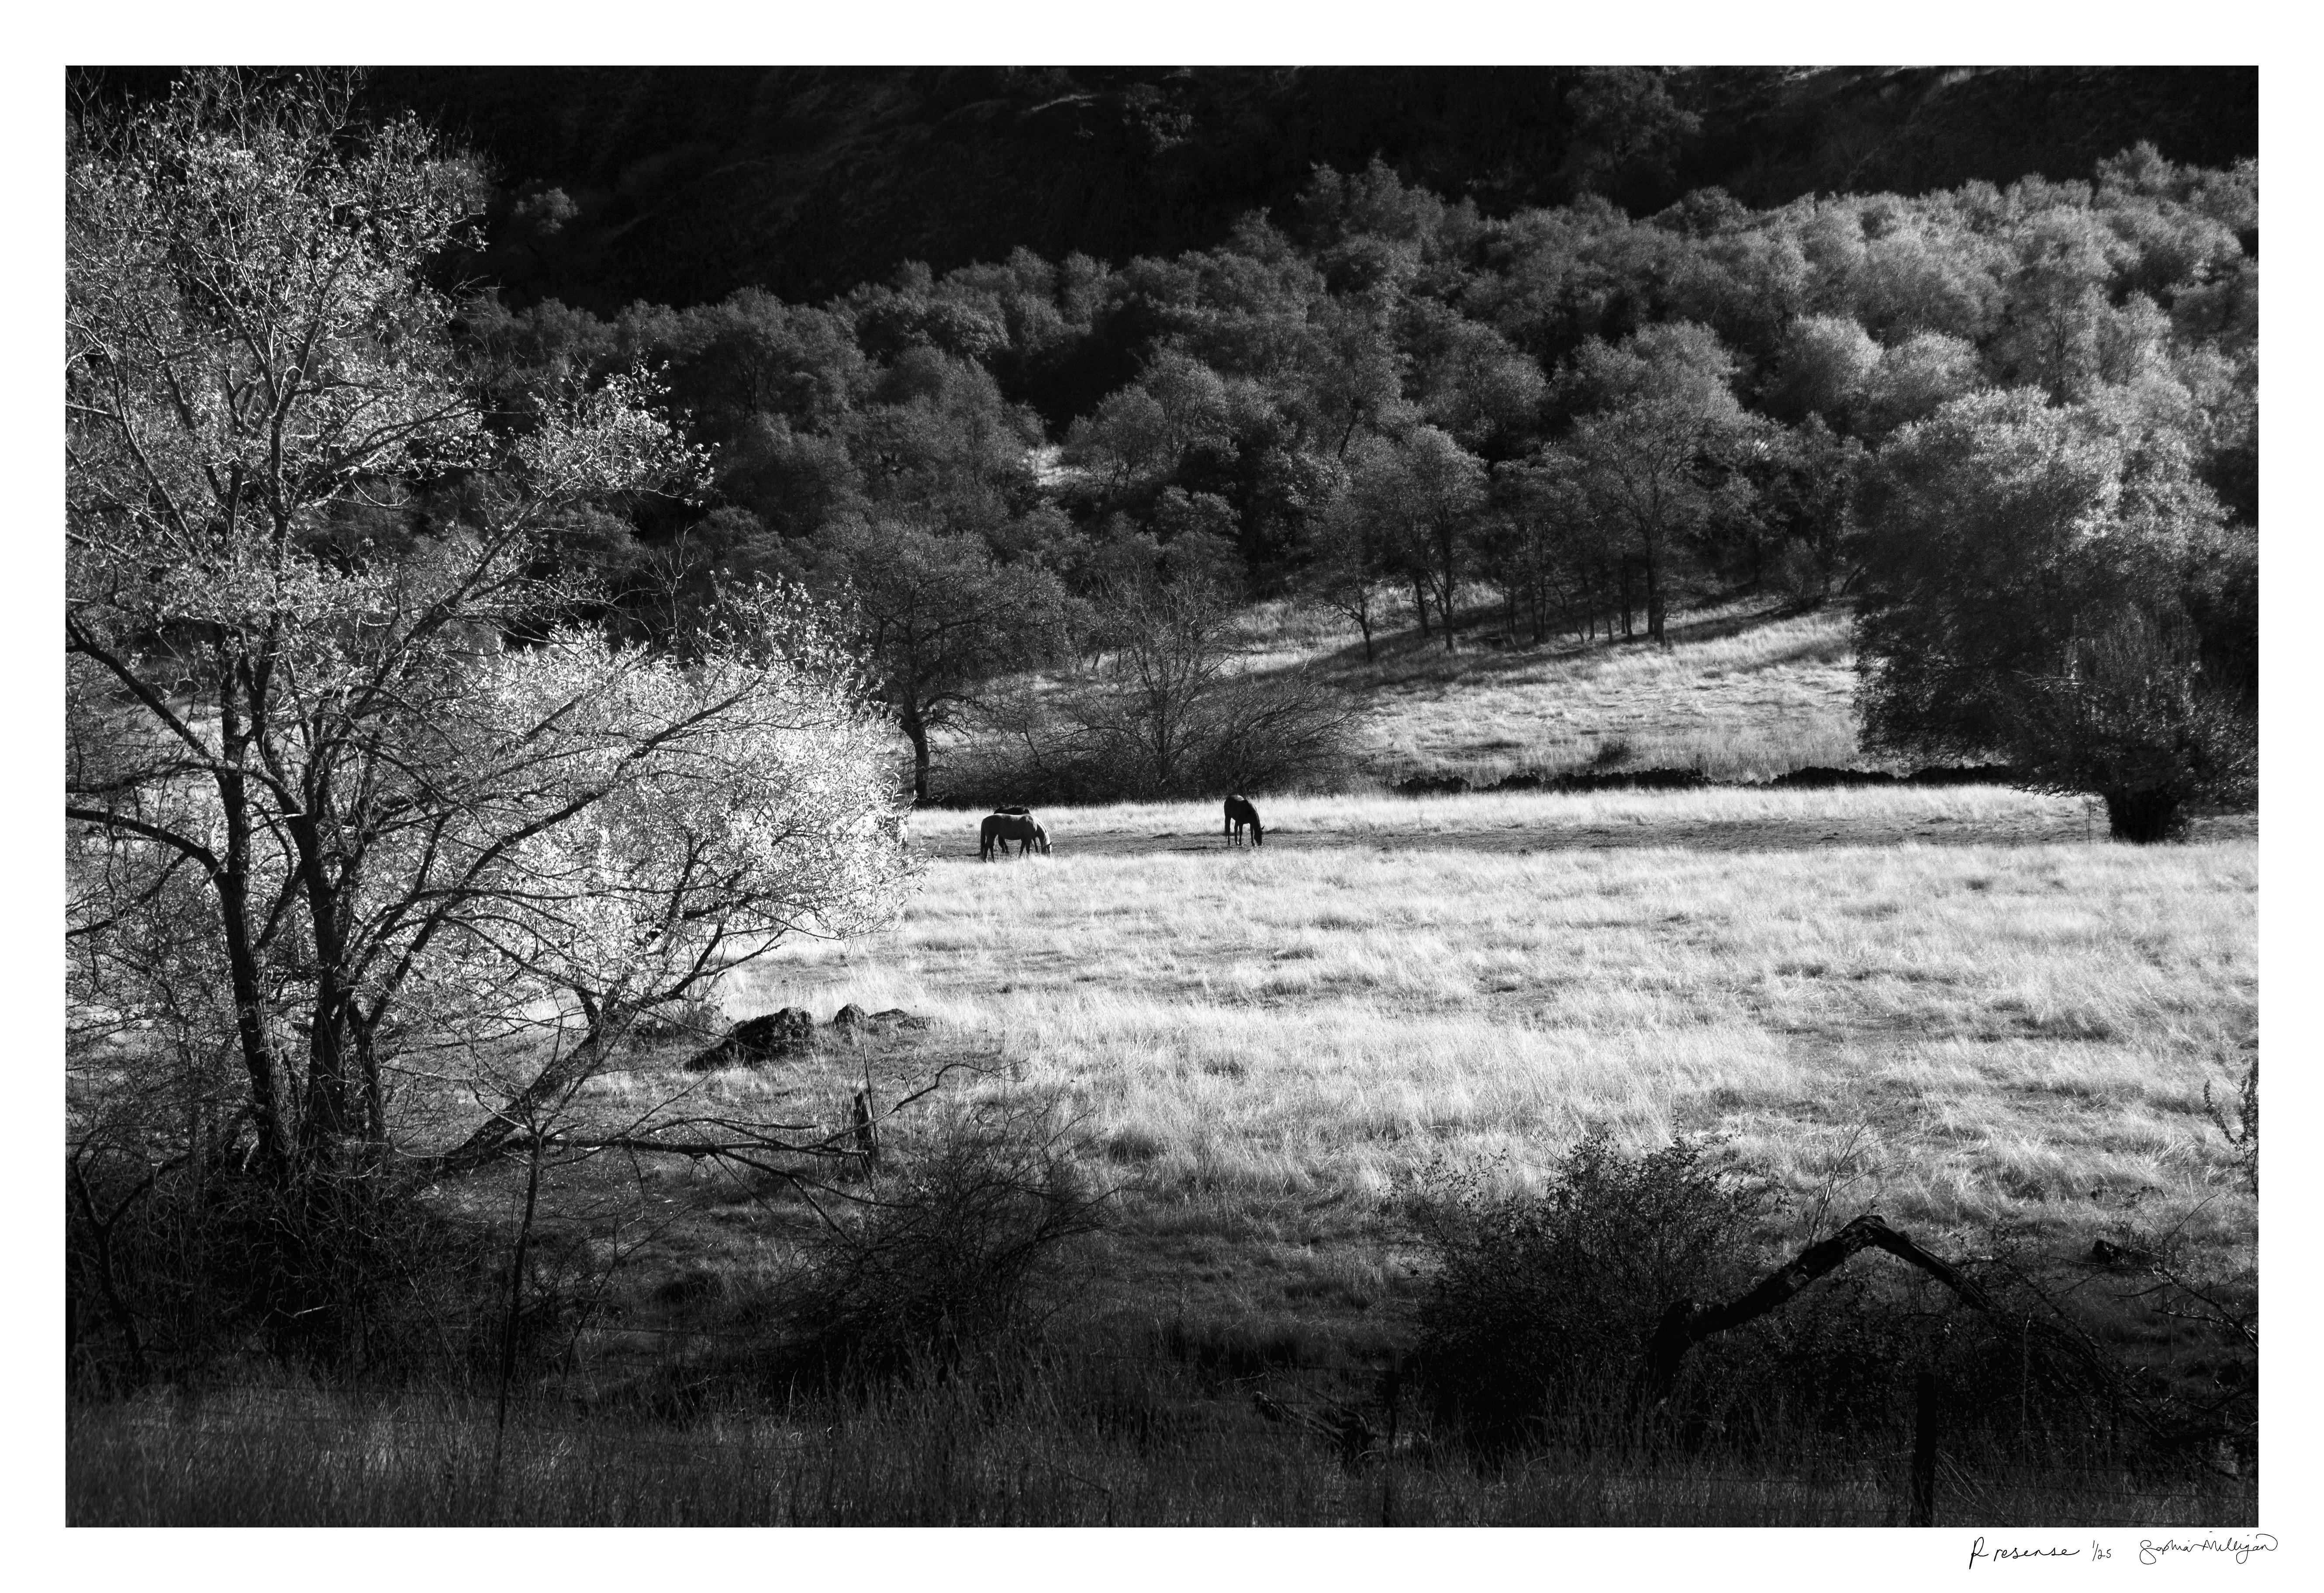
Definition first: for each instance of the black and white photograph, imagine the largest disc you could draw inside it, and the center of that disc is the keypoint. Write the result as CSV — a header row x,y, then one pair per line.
x,y
1363,795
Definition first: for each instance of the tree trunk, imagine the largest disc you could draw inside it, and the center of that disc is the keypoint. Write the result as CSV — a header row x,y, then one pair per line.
x,y
917,734
1629,632
541,1099
242,973
1653,601
1445,548
329,1113
2140,816
1420,603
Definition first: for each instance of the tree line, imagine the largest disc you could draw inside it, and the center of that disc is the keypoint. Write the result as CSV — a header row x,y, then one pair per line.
x,y
1390,404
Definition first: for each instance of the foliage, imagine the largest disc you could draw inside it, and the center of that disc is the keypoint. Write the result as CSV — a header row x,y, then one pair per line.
x,y
1166,709
964,1251
1330,393
380,791
1542,1304
939,618
2243,1133
1646,452
2034,576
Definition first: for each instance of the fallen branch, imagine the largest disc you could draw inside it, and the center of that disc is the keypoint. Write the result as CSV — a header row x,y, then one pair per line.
x,y
1686,1324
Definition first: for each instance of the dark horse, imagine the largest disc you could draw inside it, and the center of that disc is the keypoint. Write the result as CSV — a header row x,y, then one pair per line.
x,y
1239,812
1022,828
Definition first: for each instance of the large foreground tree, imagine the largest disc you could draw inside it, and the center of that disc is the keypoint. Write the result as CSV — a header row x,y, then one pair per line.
x,y
343,785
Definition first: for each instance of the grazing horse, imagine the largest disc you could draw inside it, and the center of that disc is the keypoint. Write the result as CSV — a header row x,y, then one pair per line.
x,y
1239,812
1022,828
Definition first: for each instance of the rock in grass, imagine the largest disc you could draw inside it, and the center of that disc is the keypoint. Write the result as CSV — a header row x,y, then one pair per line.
x,y
768,1037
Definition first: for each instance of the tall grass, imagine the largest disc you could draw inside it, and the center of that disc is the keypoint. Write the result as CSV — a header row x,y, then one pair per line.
x,y
2020,1034
1270,1051
1100,1446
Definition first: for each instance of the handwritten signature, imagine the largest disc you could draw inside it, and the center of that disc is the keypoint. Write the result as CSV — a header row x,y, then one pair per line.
x,y
2150,1551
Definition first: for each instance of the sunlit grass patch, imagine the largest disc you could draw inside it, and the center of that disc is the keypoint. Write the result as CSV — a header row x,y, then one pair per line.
x,y
2021,1024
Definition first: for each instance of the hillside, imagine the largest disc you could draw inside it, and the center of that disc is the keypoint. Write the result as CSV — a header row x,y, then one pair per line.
x,y
679,185
1747,689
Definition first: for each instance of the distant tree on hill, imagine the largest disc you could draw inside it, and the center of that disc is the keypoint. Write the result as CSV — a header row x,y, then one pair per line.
x,y
1168,710
1348,571
1648,452
1419,495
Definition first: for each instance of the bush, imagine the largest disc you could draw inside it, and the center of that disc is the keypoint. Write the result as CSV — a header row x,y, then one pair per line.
x,y
963,1252
1542,1305
171,1273
1535,1331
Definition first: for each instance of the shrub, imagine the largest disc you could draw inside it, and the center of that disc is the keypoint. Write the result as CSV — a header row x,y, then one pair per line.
x,y
1542,1305
171,1273
962,1252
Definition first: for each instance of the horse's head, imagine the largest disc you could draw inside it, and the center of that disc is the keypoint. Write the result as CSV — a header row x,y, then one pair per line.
x,y
1042,839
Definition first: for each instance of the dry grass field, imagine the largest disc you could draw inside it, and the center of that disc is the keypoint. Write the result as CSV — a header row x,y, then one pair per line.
x,y
1944,1004
1961,1006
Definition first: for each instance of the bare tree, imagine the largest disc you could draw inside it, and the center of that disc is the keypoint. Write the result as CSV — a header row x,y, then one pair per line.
x,y
1169,710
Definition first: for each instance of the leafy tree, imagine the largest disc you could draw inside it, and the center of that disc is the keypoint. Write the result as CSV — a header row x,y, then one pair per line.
x,y
1649,453
1419,494
1352,382
2043,583
1915,378
1140,434
376,790
1470,380
1804,486
938,616
1827,365
1348,570
1625,133
752,355
1542,544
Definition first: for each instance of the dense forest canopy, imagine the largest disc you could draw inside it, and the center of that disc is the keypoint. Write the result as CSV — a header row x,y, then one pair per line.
x,y
1523,370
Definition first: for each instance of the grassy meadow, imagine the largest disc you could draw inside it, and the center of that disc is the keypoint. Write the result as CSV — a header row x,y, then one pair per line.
x,y
1962,1008
2000,1021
